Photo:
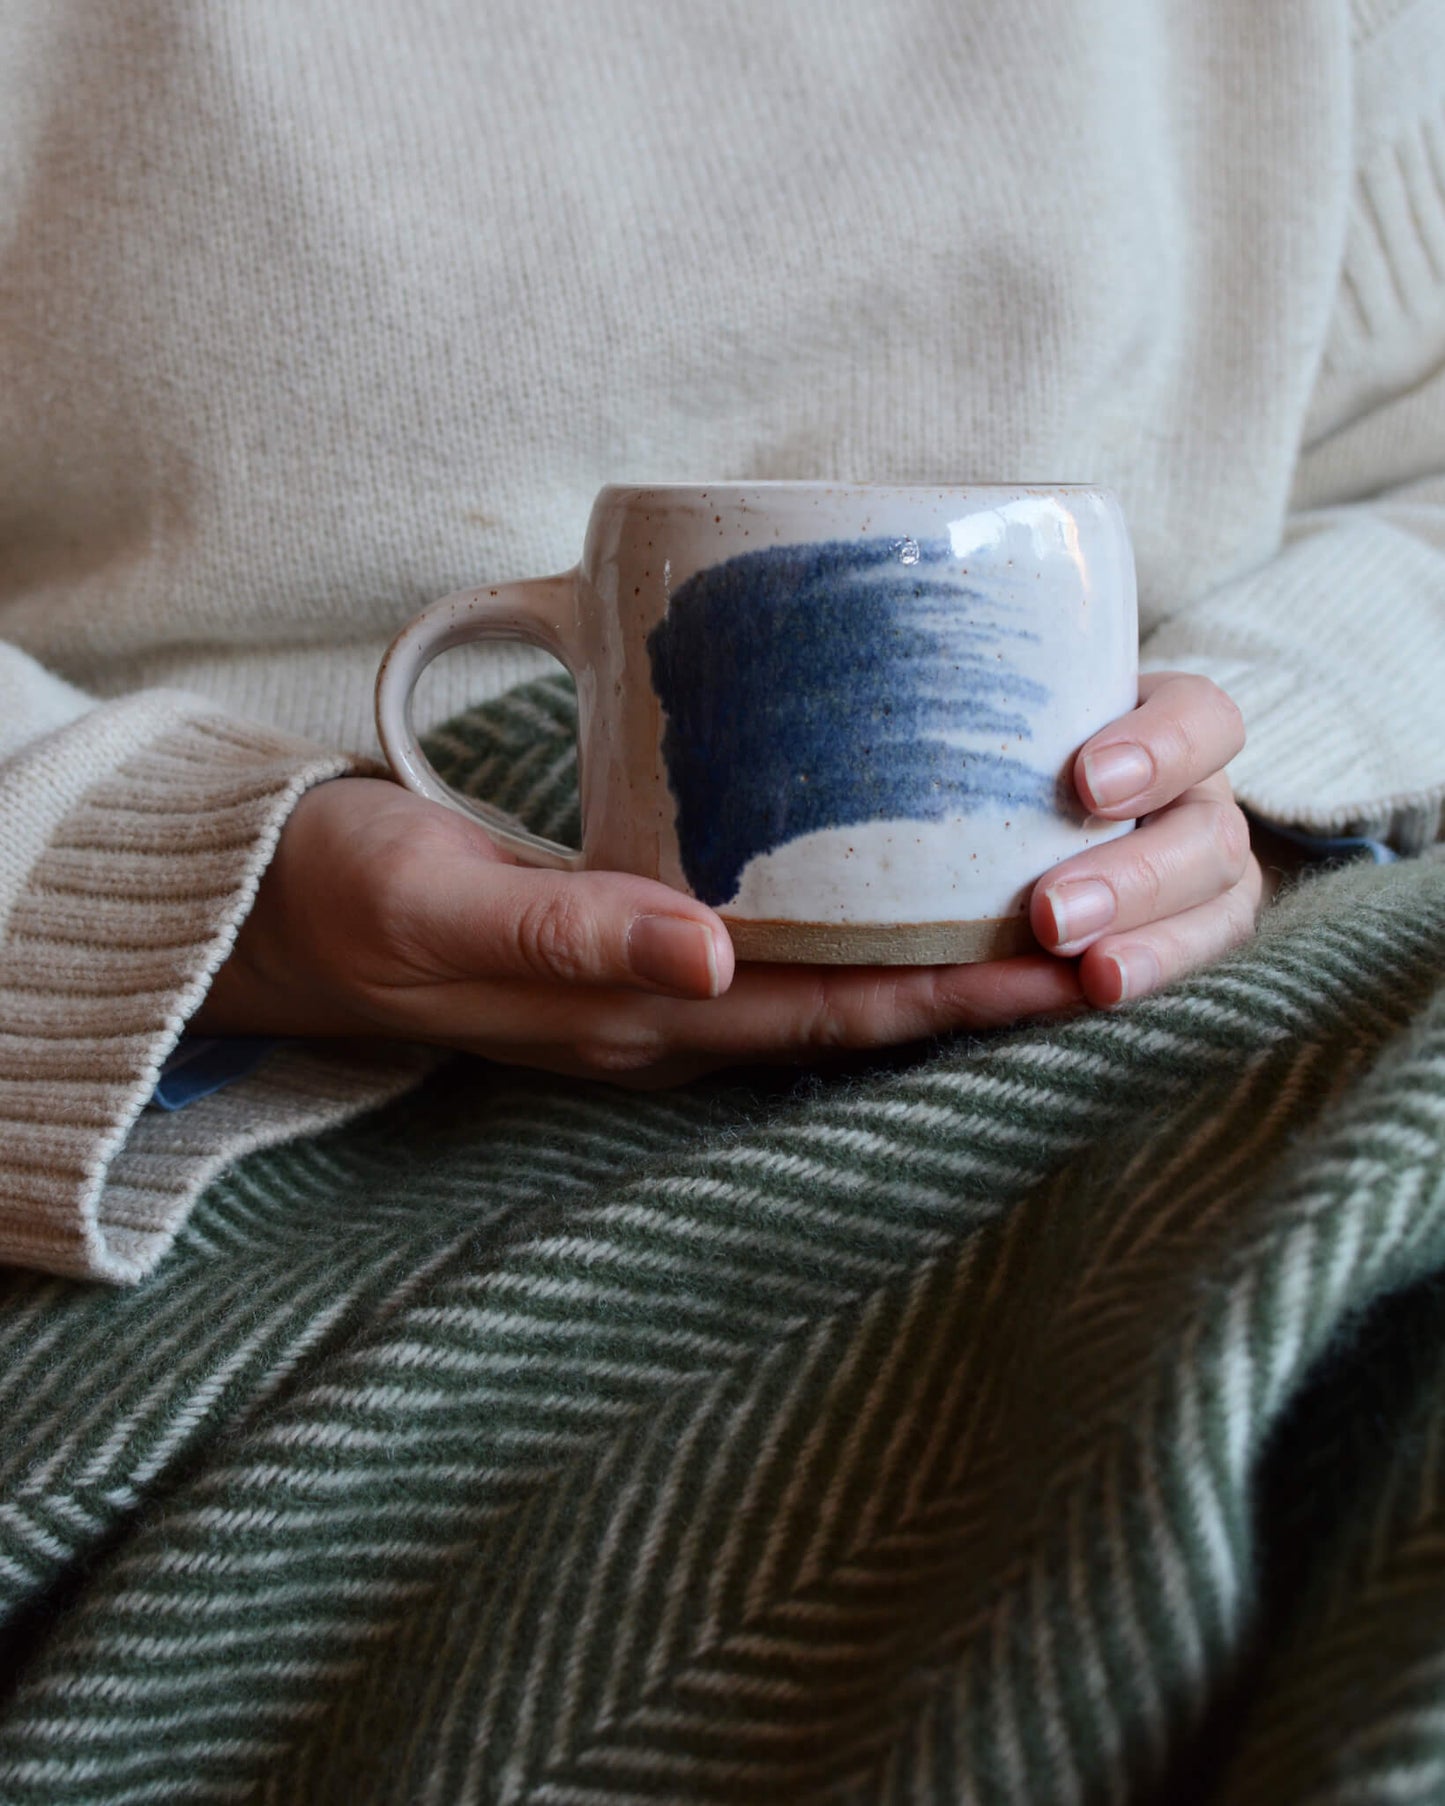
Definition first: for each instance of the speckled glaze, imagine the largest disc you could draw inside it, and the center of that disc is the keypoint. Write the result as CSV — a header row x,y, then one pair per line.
x,y
843,715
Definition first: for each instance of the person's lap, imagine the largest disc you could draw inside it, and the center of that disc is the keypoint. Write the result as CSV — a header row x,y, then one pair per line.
x,y
733,1441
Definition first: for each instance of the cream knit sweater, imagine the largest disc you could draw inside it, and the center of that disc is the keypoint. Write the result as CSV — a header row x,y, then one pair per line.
x,y
311,311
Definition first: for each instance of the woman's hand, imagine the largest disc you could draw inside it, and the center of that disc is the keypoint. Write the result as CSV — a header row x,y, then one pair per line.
x,y
383,914
1184,887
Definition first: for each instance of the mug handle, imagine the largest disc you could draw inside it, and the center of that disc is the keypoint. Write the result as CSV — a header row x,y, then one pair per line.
x,y
536,611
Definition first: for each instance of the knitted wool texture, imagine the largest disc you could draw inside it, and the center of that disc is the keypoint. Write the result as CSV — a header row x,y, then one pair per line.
x,y
308,315
1053,1417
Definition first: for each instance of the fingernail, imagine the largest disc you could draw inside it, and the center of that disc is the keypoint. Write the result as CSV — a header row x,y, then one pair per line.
x,y
1115,773
1138,970
675,953
1080,907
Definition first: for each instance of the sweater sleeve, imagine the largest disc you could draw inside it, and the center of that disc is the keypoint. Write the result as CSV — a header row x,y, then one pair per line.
x,y
1334,651
134,836
1334,647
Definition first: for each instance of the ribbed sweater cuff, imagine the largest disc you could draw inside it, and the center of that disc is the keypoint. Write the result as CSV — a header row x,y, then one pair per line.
x,y
130,907
1332,651
1294,729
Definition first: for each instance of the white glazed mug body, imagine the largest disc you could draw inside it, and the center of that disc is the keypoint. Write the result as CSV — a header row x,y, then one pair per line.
x,y
842,715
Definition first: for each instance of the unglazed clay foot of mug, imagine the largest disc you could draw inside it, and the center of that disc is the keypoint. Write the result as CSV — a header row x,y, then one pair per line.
x,y
882,943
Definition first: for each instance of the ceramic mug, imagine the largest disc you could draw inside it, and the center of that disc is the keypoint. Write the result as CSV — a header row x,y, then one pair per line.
x,y
843,715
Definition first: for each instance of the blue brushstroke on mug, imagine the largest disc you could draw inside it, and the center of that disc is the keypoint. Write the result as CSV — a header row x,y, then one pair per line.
x,y
817,686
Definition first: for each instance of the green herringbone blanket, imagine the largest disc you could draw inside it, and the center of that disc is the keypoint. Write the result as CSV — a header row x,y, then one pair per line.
x,y
1052,1417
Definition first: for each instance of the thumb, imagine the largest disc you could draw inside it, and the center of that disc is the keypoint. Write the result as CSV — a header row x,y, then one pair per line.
x,y
590,928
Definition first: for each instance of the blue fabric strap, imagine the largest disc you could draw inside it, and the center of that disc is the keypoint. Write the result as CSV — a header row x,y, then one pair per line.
x,y
201,1064
1336,846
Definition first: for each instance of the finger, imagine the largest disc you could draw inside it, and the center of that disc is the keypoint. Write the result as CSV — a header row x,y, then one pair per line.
x,y
770,1013
810,1009
1122,967
504,922
1184,730
1190,852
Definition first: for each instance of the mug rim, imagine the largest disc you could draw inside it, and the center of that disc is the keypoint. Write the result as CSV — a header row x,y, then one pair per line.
x,y
819,486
